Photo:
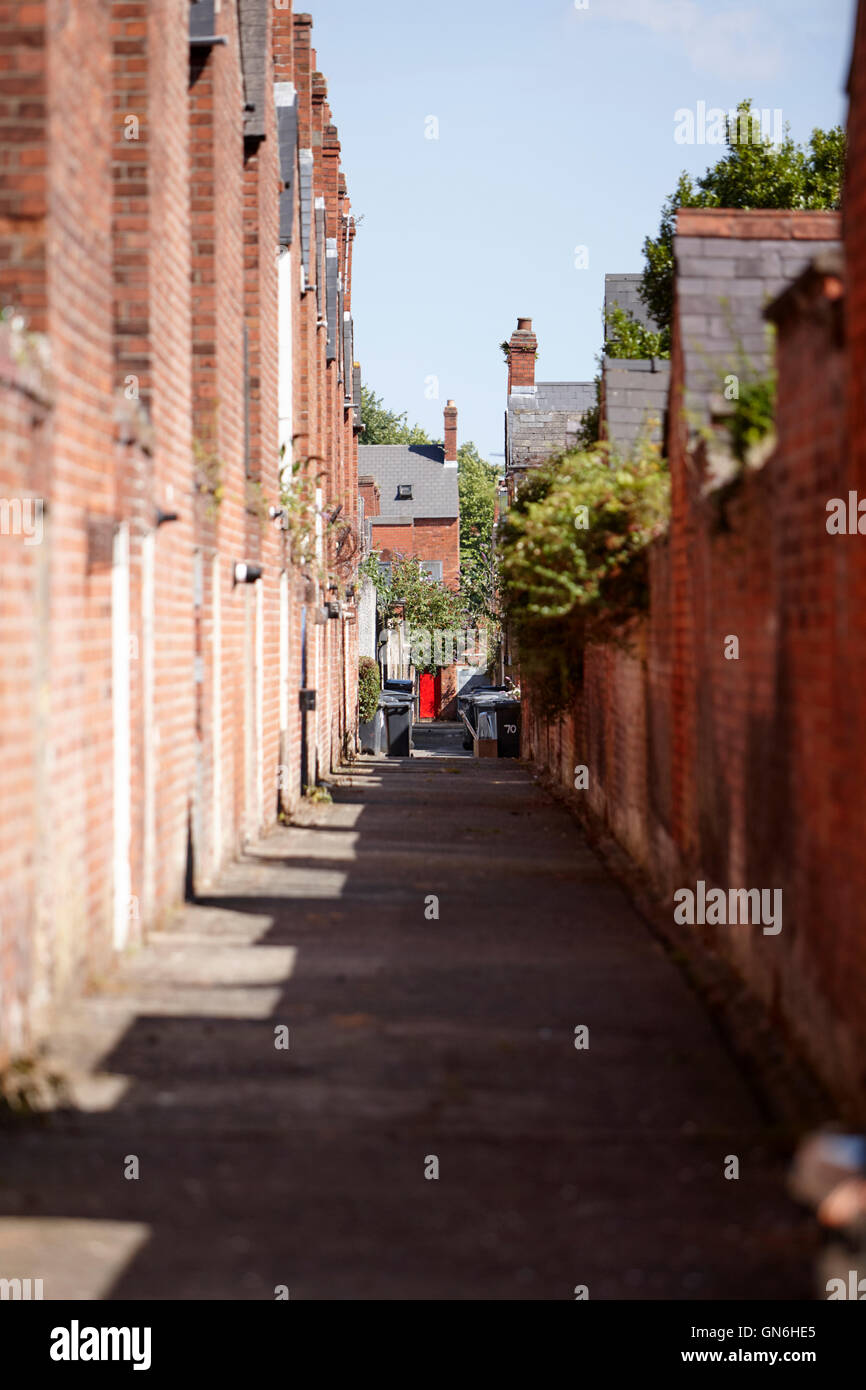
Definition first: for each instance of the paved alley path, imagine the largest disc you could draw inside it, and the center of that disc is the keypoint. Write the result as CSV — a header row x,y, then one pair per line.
x,y
409,1038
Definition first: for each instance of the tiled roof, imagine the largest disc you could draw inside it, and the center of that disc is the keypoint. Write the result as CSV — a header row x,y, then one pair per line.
x,y
434,487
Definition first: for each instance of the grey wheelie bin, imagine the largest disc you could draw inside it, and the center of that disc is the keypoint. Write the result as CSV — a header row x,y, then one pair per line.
x,y
397,710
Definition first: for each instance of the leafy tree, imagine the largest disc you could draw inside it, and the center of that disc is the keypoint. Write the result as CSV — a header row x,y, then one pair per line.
x,y
383,426
752,174
476,482
574,561
411,593
424,603
628,337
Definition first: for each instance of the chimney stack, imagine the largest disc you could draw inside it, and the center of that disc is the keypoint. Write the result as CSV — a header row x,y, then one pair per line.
x,y
450,413
521,355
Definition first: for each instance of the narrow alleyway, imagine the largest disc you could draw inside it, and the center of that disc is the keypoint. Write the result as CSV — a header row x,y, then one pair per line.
x,y
410,1037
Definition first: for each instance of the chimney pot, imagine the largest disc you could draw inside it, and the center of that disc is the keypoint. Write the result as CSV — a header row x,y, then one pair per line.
x,y
450,414
521,355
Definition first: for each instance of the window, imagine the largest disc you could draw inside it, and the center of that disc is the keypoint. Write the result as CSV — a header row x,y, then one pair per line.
x,y
404,492
385,570
433,568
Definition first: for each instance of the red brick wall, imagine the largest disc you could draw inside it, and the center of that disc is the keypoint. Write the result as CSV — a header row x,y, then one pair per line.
x,y
55,263
437,539
142,260
82,502
854,653
264,543
221,803
434,539
741,772
852,648
25,176
370,493
394,540
162,786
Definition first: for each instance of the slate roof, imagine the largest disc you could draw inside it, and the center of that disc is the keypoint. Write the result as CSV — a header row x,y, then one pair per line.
x,y
568,396
286,101
434,487
305,172
321,252
622,290
253,26
544,420
724,284
202,21
635,400
348,357
331,295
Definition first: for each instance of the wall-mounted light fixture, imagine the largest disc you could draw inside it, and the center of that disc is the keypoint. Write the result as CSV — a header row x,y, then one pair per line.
x,y
245,574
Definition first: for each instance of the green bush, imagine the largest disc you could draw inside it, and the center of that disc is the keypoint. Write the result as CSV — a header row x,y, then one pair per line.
x,y
574,561
753,416
368,688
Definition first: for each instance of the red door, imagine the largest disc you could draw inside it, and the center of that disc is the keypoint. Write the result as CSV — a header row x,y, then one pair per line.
x,y
429,695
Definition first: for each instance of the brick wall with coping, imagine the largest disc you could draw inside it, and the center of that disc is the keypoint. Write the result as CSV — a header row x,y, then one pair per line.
x,y
739,771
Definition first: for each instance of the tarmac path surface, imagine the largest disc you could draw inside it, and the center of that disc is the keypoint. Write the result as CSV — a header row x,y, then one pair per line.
x,y
421,1034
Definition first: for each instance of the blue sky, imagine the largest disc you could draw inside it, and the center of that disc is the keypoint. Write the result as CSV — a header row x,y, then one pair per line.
x,y
555,130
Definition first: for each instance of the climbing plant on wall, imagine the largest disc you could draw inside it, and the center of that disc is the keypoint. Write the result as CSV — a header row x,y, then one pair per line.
x,y
574,561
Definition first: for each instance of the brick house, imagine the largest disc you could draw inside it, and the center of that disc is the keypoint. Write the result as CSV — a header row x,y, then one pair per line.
x,y
411,501
541,418
411,507
179,308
